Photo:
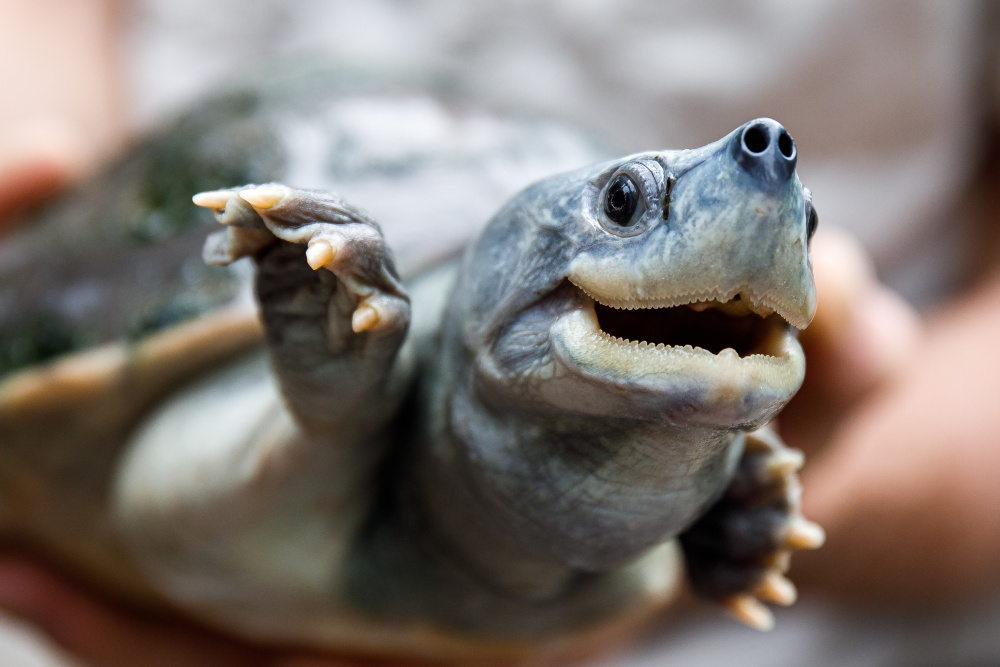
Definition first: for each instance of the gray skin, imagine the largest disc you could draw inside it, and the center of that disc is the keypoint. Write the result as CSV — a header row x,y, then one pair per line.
x,y
514,474
620,454
475,463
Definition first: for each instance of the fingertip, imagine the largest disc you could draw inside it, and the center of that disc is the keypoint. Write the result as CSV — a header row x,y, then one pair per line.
x,y
889,327
842,271
28,592
863,331
17,589
38,157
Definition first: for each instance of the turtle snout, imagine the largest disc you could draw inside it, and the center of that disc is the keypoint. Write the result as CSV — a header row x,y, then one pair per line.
x,y
765,150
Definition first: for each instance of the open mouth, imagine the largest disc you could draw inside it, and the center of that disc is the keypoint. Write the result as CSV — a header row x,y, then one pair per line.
x,y
726,349
712,326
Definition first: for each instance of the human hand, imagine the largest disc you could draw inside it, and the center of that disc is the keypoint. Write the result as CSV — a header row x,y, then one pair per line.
x,y
863,335
903,475
38,162
61,111
102,634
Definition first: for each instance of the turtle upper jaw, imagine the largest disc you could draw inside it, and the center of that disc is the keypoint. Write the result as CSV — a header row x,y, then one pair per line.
x,y
712,356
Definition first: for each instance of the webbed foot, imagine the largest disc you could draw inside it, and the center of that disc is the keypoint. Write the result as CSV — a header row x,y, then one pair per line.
x,y
739,552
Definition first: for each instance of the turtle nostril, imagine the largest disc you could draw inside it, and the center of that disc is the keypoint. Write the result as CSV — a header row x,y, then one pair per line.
x,y
756,139
786,145
765,151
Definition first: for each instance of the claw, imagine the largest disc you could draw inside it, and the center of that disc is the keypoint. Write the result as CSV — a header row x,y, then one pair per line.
x,y
264,196
777,589
750,611
804,534
785,461
780,560
213,199
319,254
364,318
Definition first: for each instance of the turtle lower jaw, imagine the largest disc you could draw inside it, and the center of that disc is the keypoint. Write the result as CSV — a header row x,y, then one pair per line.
x,y
717,363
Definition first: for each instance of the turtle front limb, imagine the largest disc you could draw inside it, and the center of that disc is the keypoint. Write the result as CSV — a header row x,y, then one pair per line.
x,y
739,551
334,309
236,496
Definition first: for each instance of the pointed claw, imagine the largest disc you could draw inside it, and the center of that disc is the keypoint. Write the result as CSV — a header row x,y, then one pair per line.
x,y
264,196
364,318
784,462
319,254
750,611
777,589
804,534
213,199
780,560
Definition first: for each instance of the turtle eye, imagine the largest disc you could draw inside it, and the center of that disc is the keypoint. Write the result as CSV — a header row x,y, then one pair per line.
x,y
812,220
621,200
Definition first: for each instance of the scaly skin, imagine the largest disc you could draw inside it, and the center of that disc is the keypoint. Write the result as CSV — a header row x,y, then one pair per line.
x,y
512,479
573,451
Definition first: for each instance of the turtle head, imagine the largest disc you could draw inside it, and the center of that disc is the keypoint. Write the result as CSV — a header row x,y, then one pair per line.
x,y
664,285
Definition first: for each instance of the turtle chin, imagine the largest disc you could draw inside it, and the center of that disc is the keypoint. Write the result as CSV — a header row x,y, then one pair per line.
x,y
711,363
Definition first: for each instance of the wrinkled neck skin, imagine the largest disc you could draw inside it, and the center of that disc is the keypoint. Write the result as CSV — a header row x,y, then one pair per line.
x,y
555,449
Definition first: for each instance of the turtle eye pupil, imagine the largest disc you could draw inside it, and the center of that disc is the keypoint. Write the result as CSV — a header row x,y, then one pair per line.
x,y
621,200
811,221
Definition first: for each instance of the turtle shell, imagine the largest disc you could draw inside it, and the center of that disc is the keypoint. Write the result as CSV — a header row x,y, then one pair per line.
x,y
106,306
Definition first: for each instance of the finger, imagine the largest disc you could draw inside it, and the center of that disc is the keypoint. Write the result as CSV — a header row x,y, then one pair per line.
x,y
101,634
842,271
326,661
36,160
863,337
863,332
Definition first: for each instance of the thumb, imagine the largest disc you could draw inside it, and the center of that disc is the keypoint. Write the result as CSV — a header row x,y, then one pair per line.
x,y
36,159
99,633
863,332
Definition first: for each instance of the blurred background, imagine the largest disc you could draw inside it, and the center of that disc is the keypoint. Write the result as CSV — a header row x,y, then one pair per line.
x,y
895,108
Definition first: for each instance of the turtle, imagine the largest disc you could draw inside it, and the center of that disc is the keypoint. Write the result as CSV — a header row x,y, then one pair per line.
x,y
509,424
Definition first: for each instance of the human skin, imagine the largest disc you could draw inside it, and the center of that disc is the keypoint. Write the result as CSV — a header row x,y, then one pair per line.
x,y
905,480
58,55
60,111
97,632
